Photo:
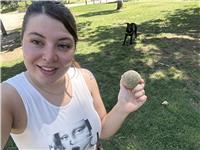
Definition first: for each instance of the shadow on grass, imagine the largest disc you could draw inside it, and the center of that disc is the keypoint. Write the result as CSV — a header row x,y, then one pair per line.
x,y
106,12
154,126
182,22
7,72
82,27
11,41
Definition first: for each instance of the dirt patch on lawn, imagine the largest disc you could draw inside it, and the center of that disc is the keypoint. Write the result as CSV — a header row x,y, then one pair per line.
x,y
11,55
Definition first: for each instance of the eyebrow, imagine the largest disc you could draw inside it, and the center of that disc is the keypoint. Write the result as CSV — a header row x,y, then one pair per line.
x,y
64,38
35,33
40,35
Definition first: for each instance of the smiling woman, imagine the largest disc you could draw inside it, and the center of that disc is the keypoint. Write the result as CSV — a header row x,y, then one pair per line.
x,y
47,55
55,104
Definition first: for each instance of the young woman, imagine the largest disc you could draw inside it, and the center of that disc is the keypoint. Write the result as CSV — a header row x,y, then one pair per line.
x,y
53,95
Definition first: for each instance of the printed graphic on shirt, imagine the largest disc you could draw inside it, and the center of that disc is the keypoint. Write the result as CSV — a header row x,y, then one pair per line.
x,y
77,136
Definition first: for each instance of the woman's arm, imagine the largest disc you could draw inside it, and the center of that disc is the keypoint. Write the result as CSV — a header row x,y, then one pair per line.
x,y
6,114
13,113
128,101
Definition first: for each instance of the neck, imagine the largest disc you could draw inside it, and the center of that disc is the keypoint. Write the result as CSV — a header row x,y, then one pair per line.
x,y
58,87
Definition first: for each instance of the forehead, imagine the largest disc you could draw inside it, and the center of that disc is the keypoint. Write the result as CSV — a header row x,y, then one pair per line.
x,y
45,25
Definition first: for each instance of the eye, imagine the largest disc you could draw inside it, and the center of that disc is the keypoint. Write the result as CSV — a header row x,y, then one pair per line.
x,y
64,46
64,137
37,42
79,130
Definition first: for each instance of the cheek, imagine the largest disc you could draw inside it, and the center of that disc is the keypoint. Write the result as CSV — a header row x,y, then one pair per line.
x,y
66,59
30,54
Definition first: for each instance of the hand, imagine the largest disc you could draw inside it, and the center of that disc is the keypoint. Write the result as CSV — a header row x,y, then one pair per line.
x,y
130,100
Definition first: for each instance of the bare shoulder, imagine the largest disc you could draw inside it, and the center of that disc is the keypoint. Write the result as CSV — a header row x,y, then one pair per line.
x,y
87,74
7,94
9,97
12,105
89,79
8,111
6,114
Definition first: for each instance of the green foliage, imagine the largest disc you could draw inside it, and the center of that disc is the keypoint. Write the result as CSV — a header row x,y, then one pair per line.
x,y
165,54
7,6
23,5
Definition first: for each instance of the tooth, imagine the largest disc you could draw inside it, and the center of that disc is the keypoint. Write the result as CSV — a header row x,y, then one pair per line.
x,y
47,69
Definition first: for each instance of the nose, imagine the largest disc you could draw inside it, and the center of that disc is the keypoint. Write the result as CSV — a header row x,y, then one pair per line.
x,y
72,142
49,54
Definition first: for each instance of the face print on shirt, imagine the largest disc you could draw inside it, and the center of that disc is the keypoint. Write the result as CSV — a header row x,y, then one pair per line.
x,y
75,137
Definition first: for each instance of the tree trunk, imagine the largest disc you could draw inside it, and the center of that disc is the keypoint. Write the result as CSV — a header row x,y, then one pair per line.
x,y
3,30
26,3
119,4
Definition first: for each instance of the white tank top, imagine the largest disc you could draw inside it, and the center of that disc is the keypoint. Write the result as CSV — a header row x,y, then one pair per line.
x,y
49,127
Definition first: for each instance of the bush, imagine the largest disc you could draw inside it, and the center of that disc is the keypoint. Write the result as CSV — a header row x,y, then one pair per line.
x,y
8,6
22,6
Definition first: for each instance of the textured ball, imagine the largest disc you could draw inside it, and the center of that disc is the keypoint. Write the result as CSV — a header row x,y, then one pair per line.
x,y
130,79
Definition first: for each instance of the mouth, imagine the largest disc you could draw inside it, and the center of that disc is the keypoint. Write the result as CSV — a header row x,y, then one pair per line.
x,y
76,148
47,71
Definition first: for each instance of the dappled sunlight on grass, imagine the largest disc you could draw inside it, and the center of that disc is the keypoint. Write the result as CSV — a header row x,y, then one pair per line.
x,y
10,58
158,75
146,48
171,35
171,73
150,62
178,55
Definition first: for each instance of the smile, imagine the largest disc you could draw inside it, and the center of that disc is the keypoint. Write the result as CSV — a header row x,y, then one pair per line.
x,y
47,71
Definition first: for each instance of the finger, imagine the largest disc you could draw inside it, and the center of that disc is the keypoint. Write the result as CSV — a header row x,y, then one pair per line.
x,y
139,94
138,88
142,98
141,81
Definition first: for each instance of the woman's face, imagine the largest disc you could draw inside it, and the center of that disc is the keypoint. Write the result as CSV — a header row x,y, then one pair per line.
x,y
48,49
77,137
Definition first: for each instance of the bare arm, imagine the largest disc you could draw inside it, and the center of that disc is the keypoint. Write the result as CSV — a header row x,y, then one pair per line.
x,y
13,113
128,101
6,115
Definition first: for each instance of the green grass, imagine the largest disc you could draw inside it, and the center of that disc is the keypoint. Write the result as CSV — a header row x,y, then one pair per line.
x,y
166,53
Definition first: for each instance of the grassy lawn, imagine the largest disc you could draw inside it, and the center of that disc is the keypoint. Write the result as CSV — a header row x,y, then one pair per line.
x,y
167,55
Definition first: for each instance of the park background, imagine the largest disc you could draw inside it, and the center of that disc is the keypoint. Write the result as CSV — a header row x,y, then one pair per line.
x,y
166,53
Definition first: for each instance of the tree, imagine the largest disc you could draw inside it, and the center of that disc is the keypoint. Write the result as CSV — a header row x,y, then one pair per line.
x,y
3,30
12,5
26,3
119,4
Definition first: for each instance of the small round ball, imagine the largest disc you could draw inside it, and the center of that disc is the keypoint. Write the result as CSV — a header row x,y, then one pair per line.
x,y
130,79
